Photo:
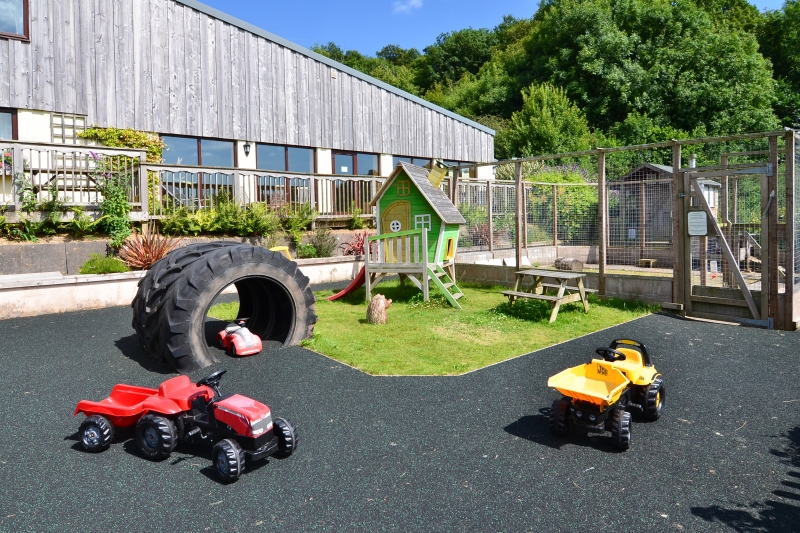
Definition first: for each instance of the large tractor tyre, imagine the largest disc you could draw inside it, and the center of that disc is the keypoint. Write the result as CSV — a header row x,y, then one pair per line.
x,y
655,395
621,429
273,294
153,289
559,417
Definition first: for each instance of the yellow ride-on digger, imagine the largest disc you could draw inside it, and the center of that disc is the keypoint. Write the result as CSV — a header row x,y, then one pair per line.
x,y
600,395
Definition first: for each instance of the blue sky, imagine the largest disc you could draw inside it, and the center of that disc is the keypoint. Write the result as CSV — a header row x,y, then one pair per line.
x,y
368,25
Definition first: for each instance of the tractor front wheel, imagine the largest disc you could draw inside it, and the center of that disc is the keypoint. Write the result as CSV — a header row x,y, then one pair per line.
x,y
156,436
228,460
287,437
621,429
96,432
654,399
559,416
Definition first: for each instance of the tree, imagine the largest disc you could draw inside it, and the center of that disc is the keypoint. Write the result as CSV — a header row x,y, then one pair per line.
x,y
397,55
548,123
453,55
664,59
779,38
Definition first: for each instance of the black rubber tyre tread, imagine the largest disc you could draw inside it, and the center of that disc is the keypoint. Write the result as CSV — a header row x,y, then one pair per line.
x,y
559,417
621,429
234,460
273,293
288,438
105,433
652,406
167,436
155,285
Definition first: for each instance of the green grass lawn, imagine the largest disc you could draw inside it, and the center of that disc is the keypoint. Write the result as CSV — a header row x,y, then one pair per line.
x,y
432,338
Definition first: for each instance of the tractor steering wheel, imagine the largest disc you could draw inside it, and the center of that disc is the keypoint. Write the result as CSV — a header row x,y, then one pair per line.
x,y
610,354
213,381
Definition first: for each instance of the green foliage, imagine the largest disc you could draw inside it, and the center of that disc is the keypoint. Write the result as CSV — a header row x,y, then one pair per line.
x,y
115,207
455,54
305,251
127,138
548,123
296,222
100,264
226,216
81,223
779,38
355,222
24,230
25,192
324,242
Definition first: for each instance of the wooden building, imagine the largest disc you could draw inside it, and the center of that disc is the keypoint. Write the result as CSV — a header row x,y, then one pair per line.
x,y
221,92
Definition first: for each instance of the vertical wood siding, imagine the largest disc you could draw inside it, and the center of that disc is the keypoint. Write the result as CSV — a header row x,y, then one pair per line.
x,y
158,65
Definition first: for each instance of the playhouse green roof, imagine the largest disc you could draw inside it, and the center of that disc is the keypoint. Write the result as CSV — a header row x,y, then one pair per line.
x,y
434,195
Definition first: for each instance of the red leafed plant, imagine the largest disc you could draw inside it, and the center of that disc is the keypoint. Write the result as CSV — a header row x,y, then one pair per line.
x,y
142,251
356,244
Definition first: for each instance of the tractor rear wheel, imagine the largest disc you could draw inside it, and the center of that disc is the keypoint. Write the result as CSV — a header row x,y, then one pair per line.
x,y
156,436
654,399
621,429
228,460
287,437
96,432
559,416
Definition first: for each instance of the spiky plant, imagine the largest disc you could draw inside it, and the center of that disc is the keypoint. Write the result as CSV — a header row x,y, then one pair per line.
x,y
142,251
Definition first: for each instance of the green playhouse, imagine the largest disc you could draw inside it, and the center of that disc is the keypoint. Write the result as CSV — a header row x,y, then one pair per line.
x,y
418,229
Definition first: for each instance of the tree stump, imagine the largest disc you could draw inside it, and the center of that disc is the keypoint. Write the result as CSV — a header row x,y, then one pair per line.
x,y
568,263
377,311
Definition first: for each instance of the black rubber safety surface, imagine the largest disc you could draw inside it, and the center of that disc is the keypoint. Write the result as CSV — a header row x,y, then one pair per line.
x,y
468,453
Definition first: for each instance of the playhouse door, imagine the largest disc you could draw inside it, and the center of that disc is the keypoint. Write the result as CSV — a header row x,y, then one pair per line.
x,y
396,217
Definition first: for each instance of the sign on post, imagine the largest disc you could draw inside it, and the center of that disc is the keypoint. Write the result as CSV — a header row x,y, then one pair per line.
x,y
697,223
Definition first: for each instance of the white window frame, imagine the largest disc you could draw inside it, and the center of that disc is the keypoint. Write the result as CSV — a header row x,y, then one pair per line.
x,y
422,221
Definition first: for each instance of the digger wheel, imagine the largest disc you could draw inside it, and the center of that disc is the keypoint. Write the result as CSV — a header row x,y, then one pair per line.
x,y
654,399
559,417
621,429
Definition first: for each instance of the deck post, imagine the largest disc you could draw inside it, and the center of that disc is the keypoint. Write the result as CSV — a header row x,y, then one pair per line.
x,y
144,189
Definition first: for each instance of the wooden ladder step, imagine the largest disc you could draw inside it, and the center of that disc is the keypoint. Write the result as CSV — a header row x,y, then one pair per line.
x,y
458,295
448,285
439,274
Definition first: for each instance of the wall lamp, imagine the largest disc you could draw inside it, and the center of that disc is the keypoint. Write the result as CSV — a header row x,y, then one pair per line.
x,y
246,149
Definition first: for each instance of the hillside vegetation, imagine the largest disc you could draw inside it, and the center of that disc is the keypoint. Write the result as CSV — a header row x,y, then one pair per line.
x,y
583,73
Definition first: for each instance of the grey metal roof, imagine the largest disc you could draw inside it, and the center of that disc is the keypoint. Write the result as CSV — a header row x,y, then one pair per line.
x,y
208,10
435,196
667,169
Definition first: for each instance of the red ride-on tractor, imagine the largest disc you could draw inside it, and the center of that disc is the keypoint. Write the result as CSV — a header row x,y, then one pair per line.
x,y
180,410
239,340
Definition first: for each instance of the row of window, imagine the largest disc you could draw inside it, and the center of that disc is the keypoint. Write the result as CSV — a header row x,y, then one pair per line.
x,y
192,151
14,18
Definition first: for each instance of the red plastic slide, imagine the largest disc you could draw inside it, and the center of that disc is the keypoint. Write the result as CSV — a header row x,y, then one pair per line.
x,y
358,282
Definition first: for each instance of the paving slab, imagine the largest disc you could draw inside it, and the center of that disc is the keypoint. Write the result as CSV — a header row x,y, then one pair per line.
x,y
466,453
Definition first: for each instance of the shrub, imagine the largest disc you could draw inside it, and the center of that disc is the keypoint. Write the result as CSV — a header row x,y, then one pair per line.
x,y
324,242
81,223
355,222
142,251
295,222
356,244
305,251
100,264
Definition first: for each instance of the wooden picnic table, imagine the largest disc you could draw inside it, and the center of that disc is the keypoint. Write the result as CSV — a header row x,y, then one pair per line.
x,y
538,290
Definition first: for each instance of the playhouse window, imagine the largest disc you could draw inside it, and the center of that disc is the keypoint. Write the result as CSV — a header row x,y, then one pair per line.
x,y
403,188
422,221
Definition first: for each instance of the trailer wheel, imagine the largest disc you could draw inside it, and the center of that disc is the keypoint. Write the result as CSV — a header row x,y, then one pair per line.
x,y
96,432
655,395
228,460
156,436
559,416
621,429
170,308
288,437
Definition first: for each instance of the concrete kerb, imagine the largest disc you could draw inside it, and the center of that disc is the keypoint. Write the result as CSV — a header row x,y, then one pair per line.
x,y
52,292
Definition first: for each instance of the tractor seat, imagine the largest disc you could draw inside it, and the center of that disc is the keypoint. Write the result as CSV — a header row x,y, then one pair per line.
x,y
182,391
632,364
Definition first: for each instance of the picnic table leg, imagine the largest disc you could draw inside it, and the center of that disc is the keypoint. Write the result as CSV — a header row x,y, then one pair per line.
x,y
583,295
557,303
537,285
517,283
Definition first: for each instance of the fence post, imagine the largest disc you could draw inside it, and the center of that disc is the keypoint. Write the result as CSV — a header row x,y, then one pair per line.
x,y
491,222
788,296
555,218
17,169
518,243
678,216
772,224
144,188
602,215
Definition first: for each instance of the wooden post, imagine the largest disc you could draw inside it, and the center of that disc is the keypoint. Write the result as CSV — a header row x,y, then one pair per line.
x,y
602,219
525,218
518,175
237,187
454,190
17,170
144,188
678,222
642,220
491,221
555,218
789,295
772,223
687,245
725,215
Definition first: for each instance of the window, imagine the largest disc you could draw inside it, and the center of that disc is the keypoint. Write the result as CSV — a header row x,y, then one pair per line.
x,y
14,19
419,161
65,127
192,151
8,124
403,188
463,172
355,163
422,221
284,158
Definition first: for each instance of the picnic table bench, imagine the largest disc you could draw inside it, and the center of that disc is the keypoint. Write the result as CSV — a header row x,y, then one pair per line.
x,y
538,290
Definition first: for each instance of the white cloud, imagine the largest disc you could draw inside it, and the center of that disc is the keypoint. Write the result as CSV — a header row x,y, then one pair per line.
x,y
405,6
